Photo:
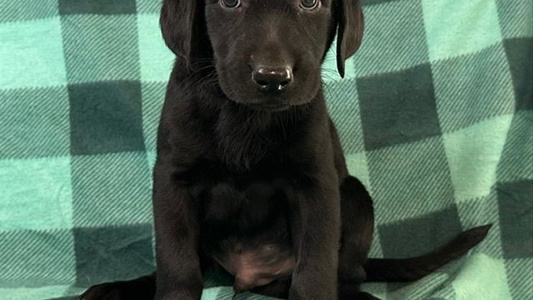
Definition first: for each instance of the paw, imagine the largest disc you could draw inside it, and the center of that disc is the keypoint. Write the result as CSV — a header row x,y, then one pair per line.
x,y
106,291
354,294
365,296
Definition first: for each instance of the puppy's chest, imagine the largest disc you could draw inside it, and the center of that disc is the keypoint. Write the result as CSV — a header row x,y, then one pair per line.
x,y
245,226
241,207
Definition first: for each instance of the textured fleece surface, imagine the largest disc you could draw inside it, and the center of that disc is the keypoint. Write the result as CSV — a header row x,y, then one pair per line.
x,y
435,115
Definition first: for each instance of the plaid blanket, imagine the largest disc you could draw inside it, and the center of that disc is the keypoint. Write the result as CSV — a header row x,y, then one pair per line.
x,y
435,116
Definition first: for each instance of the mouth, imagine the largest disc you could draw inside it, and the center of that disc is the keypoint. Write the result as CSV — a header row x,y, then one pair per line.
x,y
248,97
270,107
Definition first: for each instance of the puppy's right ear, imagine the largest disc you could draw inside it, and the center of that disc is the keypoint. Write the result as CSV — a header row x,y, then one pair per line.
x,y
183,28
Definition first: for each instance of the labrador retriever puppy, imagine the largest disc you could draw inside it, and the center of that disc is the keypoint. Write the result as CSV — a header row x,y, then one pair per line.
x,y
250,175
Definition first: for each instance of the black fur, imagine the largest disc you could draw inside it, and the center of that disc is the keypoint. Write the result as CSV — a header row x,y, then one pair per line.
x,y
239,167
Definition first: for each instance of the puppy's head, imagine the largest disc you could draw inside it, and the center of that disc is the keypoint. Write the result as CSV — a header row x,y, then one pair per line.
x,y
267,53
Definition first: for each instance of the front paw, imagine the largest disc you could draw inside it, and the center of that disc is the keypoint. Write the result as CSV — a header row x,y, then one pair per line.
x,y
139,289
106,291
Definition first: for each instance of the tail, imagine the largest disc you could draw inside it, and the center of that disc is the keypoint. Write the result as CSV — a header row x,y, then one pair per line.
x,y
411,269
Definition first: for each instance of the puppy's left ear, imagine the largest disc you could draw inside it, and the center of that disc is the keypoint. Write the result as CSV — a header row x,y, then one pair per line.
x,y
350,24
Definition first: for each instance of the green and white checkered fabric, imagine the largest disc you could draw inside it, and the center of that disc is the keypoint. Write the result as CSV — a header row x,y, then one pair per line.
x,y
435,115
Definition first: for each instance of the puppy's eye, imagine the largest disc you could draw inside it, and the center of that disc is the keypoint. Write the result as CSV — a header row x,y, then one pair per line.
x,y
309,4
230,3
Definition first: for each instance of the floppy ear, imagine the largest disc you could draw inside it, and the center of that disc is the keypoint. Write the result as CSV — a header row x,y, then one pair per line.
x,y
350,30
183,28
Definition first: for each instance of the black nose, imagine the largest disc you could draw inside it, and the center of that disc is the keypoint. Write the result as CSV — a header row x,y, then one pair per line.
x,y
272,79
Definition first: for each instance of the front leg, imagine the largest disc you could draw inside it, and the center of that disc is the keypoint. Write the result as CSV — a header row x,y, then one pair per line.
x,y
315,229
178,274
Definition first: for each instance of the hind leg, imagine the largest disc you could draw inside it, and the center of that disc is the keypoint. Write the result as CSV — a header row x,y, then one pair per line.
x,y
142,288
357,215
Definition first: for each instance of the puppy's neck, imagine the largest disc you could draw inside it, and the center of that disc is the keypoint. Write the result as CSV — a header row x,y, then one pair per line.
x,y
246,137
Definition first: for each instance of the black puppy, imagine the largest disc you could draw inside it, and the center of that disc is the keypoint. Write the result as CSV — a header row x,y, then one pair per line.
x,y
250,174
